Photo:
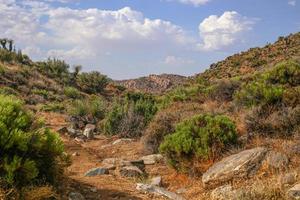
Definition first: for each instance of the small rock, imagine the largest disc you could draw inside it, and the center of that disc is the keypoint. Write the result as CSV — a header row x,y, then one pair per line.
x,y
138,163
110,167
73,132
62,130
97,171
131,171
110,161
224,192
181,190
89,131
122,140
276,160
76,196
94,190
287,179
152,159
156,181
75,154
80,140
294,192
158,191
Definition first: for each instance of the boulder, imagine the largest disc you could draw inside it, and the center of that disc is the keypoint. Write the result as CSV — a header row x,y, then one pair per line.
x,y
236,166
76,196
158,191
73,132
110,161
152,159
138,163
97,171
89,131
276,160
131,171
294,192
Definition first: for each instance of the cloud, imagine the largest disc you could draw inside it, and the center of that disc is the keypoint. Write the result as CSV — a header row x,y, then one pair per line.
x,y
218,32
292,2
192,2
173,60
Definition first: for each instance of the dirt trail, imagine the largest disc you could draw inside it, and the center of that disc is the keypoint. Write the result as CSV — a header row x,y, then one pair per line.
x,y
113,186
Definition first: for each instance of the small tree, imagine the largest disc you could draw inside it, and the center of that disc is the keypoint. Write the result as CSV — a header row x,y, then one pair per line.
x,y
92,82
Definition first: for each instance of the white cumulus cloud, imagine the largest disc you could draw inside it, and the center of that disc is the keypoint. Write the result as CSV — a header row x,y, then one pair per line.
x,y
221,31
194,2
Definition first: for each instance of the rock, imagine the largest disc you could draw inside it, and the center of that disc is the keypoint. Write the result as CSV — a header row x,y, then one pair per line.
x,y
94,189
76,196
224,192
75,154
62,130
276,160
287,179
73,132
294,192
138,163
158,191
131,171
97,171
110,161
152,159
236,166
156,181
181,190
89,131
80,139
122,140
110,167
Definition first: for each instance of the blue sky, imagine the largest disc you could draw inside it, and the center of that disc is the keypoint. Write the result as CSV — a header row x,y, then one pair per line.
x,y
132,38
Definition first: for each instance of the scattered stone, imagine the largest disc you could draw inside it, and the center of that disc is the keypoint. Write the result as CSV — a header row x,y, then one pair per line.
x,y
75,154
156,181
76,196
181,190
97,172
158,191
138,163
122,140
224,192
236,166
294,192
94,189
89,131
152,159
276,160
131,171
73,132
79,139
287,179
110,167
62,130
110,161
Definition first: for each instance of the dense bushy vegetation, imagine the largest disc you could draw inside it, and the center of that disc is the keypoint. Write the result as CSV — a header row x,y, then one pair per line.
x,y
29,152
92,82
130,115
203,137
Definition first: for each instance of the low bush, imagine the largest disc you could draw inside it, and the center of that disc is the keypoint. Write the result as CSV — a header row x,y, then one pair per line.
x,y
8,91
52,107
223,90
72,92
113,119
92,82
202,137
29,153
93,106
256,92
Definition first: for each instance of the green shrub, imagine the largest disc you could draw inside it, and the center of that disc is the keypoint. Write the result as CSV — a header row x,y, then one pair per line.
x,y
52,107
92,82
93,106
28,152
223,90
2,69
7,91
287,72
131,115
255,93
202,137
291,96
72,92
43,93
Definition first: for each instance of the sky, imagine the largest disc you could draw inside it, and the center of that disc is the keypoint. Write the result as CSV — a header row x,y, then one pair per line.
x,y
131,38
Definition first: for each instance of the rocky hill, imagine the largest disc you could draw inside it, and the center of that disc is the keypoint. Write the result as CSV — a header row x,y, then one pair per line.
x,y
153,83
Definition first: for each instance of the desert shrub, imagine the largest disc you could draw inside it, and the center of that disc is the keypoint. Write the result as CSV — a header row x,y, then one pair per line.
x,y
162,125
12,56
202,136
93,106
43,93
273,120
291,96
286,72
72,92
257,92
52,107
130,115
2,69
92,82
7,91
223,90
28,152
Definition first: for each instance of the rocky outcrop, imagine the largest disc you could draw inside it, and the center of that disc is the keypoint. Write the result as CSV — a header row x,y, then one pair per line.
x,y
152,159
236,166
131,172
97,172
153,83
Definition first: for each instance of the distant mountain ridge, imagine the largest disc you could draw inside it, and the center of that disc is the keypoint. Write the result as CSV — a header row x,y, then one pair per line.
x,y
153,83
